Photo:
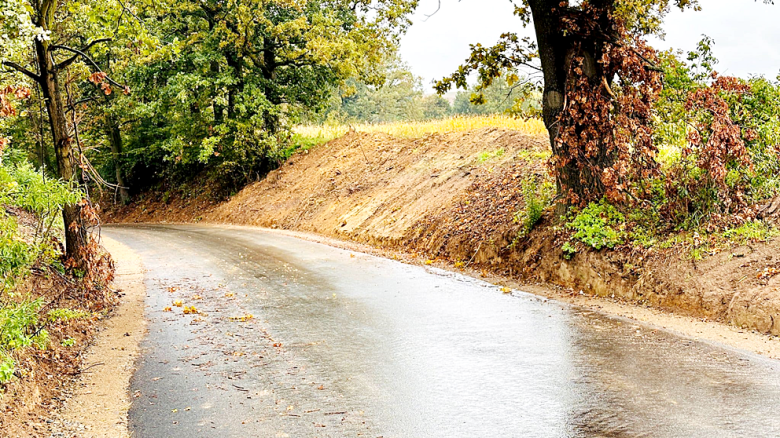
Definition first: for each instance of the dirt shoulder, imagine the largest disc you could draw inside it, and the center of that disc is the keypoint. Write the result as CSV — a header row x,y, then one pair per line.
x,y
98,403
452,199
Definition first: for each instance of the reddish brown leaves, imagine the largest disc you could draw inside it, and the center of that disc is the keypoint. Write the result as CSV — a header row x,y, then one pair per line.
x,y
100,80
716,139
605,144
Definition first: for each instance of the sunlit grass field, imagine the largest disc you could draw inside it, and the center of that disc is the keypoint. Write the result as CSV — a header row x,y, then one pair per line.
x,y
323,133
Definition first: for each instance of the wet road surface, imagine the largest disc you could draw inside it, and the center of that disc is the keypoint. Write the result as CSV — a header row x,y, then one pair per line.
x,y
298,339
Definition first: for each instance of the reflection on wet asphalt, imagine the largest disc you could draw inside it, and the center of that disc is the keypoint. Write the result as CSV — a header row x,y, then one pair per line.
x,y
298,339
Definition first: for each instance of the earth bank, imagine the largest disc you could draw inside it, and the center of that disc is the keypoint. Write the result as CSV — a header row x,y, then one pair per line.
x,y
453,198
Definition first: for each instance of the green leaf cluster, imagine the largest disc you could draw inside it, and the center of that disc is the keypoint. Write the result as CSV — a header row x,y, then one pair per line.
x,y
18,323
599,225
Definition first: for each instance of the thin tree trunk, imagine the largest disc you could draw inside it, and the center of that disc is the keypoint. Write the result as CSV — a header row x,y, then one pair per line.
x,y
115,138
75,229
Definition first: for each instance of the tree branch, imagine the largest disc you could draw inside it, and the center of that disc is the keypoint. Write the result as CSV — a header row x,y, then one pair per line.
x,y
72,59
22,70
89,60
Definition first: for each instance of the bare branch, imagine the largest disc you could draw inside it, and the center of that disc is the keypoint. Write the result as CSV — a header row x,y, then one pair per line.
x,y
89,61
22,70
69,61
127,9
438,8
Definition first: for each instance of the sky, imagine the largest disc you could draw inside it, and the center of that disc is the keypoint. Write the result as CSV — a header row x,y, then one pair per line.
x,y
746,34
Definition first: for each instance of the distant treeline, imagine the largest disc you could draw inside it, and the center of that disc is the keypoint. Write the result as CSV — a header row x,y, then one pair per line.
x,y
403,97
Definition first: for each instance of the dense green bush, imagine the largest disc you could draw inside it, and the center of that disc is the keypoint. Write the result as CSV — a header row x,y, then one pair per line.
x,y
22,187
537,193
598,225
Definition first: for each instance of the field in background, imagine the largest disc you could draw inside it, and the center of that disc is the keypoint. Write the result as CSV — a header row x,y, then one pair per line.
x,y
309,135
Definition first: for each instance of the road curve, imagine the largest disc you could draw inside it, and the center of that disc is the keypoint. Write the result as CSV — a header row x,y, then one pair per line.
x,y
298,339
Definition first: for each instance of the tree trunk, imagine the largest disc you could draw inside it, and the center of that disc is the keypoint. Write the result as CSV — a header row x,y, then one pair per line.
x,y
75,229
115,137
556,53
235,62
219,110
270,119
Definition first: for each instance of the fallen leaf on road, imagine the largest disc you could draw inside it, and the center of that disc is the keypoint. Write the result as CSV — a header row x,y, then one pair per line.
x,y
244,318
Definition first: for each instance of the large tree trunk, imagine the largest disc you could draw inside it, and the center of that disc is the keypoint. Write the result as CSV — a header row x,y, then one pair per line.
x,y
556,52
115,138
75,229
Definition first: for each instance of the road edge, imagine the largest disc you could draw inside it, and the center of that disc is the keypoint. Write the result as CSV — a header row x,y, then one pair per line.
x,y
697,329
100,399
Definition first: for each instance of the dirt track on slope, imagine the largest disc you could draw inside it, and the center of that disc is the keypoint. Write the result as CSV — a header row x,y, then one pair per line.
x,y
452,197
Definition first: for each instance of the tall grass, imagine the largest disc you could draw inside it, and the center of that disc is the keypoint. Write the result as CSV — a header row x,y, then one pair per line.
x,y
324,133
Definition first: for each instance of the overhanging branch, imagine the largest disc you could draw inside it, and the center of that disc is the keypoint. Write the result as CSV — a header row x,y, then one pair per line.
x,y
88,60
22,70
81,52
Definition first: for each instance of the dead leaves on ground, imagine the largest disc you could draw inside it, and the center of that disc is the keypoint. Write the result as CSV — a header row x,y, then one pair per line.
x,y
244,318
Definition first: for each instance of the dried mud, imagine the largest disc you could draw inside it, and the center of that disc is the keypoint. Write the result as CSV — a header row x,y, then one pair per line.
x,y
452,197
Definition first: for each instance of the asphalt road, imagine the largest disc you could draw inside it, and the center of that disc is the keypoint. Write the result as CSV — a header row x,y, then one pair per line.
x,y
298,339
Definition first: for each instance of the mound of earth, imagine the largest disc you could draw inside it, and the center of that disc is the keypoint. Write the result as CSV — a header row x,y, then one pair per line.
x,y
454,197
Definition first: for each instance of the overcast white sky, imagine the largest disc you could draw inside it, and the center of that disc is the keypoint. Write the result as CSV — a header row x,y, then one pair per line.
x,y
746,34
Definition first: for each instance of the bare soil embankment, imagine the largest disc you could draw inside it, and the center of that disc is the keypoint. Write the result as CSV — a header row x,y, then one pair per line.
x,y
453,197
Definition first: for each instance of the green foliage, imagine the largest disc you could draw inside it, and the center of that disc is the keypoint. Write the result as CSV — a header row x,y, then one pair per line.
x,y
720,158
57,315
399,97
488,155
598,225
22,187
16,255
538,194
499,98
753,231
224,82
68,342
7,366
569,250
18,323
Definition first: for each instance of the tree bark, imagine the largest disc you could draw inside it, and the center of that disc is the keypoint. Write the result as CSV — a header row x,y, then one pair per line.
x,y
75,229
271,120
236,63
115,138
556,53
